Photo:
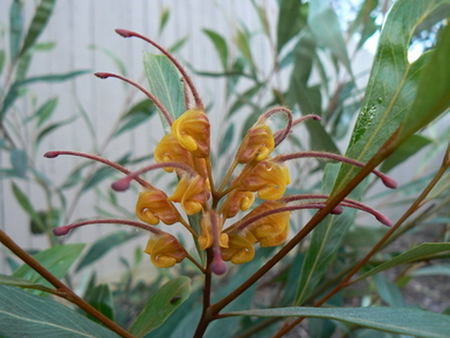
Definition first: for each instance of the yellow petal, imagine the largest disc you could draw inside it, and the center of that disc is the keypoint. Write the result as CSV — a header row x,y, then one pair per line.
x,y
192,130
239,250
268,178
257,145
164,250
153,205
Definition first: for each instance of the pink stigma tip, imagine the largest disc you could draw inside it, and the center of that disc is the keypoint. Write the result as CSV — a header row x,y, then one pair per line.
x,y
123,32
102,75
317,118
121,185
61,231
218,266
51,154
337,210
389,182
384,220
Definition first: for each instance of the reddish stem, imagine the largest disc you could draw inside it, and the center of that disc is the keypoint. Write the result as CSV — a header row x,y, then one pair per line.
x,y
387,181
124,183
127,34
103,75
56,153
65,229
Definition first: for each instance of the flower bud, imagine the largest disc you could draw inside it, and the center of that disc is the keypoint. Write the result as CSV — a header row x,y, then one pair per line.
x,y
237,200
169,149
269,178
240,250
212,227
192,193
153,205
257,145
164,250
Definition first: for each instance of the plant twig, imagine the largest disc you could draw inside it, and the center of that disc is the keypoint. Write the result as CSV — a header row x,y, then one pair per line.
x,y
62,289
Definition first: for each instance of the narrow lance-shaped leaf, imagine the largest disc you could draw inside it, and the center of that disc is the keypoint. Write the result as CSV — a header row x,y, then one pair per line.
x,y
290,22
393,83
57,260
40,19
221,46
102,246
324,24
13,92
422,251
23,283
414,322
433,93
25,203
165,84
161,305
38,317
326,240
15,29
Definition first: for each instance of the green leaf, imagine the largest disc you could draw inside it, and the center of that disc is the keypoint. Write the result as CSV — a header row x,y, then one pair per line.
x,y
13,92
407,321
26,205
324,24
19,161
57,260
137,115
25,315
40,19
117,60
164,83
103,245
2,60
421,252
393,83
50,219
161,305
53,77
221,46
23,283
388,291
326,240
243,43
290,21
45,111
433,92
16,29
101,298
227,139
245,99
434,270
50,128
165,14
410,147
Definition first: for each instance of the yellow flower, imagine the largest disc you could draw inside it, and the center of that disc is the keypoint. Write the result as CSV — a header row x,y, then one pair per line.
x,y
269,178
240,250
257,145
192,193
164,250
169,149
212,222
153,205
237,200
271,230
192,130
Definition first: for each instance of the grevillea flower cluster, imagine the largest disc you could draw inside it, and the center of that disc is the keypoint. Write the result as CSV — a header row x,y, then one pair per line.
x,y
254,185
